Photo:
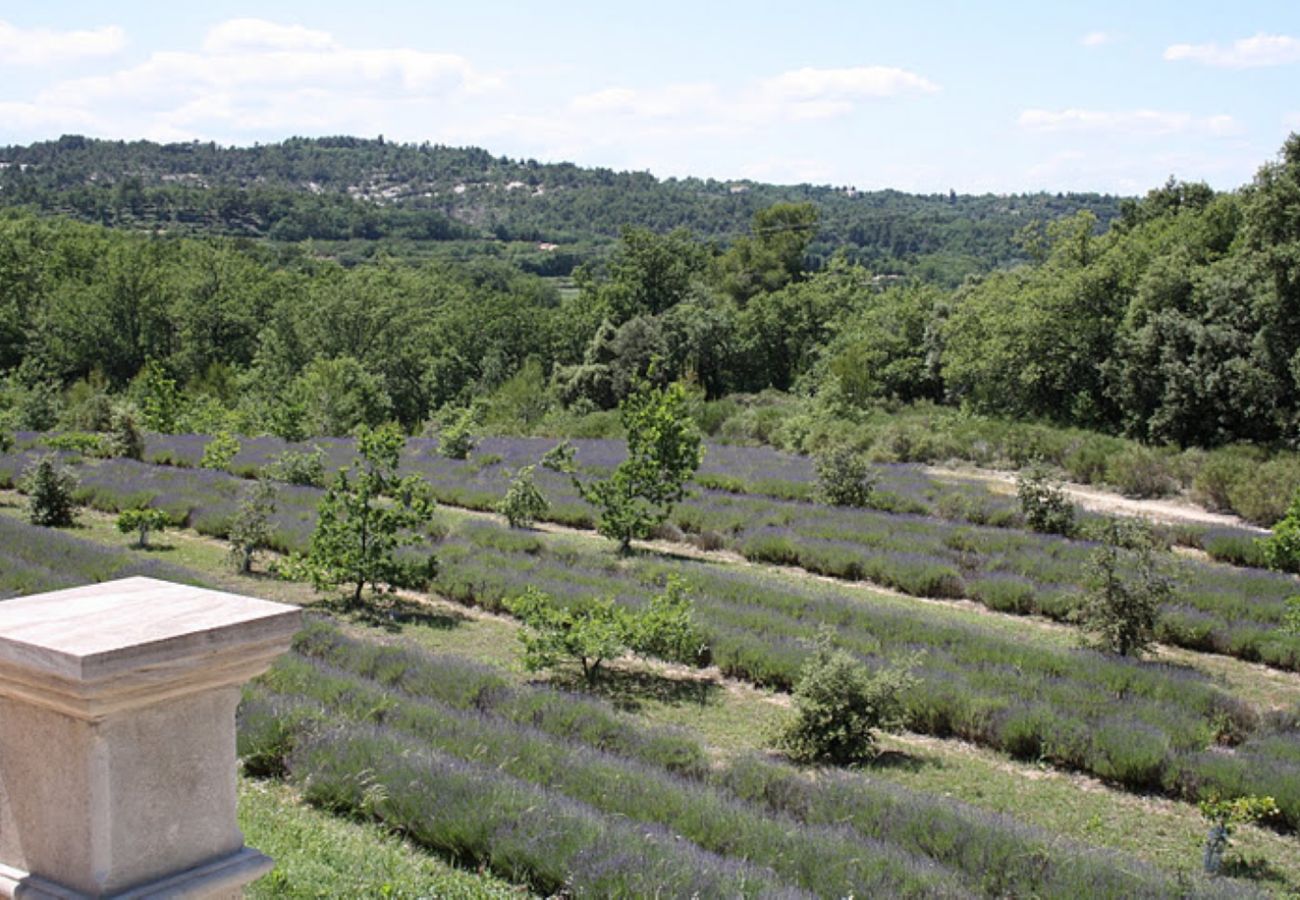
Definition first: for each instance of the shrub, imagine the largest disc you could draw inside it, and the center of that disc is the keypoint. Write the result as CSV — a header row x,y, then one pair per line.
x,y
1264,494
49,486
1219,476
250,530
457,439
1141,472
1281,549
844,477
299,467
588,633
6,439
1126,588
124,436
1291,618
142,520
523,503
667,628
1044,504
76,442
218,452
840,704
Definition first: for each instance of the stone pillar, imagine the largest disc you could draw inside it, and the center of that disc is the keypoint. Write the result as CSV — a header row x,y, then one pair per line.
x,y
117,739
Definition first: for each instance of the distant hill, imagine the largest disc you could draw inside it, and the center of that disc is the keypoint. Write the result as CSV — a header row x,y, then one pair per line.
x,y
370,193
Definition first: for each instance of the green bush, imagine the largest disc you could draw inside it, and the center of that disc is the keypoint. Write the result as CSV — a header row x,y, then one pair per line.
x,y
1221,475
1126,588
299,467
589,633
845,477
1044,504
50,487
76,442
1281,549
218,452
1263,495
251,528
1142,472
667,628
839,706
124,436
456,440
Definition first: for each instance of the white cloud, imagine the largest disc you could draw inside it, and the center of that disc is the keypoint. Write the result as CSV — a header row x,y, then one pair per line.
x,y
821,85
44,46
1134,122
1097,39
252,75
1246,53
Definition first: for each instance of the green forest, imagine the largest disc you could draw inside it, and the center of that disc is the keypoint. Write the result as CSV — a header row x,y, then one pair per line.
x,y
1175,323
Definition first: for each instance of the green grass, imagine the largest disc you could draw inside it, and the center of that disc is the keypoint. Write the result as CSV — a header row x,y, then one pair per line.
x,y
320,855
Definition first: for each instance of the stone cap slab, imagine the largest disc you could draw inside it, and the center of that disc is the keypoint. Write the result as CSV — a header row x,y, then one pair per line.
x,y
92,650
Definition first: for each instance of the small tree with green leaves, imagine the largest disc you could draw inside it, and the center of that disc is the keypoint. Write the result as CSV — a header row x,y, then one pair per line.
x,y
457,439
667,628
251,529
6,439
840,705
588,633
1126,588
559,458
1225,816
142,521
1043,503
366,516
220,451
844,477
523,503
663,451
49,486
124,436
1282,547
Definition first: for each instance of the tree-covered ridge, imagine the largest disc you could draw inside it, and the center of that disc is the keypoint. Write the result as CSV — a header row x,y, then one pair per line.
x,y
358,189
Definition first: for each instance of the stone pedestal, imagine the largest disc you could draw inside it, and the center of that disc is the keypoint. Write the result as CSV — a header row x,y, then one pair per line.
x,y
117,739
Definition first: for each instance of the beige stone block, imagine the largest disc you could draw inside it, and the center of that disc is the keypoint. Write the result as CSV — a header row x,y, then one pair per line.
x,y
117,738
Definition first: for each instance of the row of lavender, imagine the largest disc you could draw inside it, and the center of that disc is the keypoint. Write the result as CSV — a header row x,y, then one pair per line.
x,y
33,560
1230,610
663,816
1141,725
1146,726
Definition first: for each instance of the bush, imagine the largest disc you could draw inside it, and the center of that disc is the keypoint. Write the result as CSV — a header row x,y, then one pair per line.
x,y
840,704
523,503
49,486
844,477
299,467
1044,504
218,452
1141,472
6,439
1224,817
124,436
1281,549
1262,497
457,439
1219,477
142,521
667,628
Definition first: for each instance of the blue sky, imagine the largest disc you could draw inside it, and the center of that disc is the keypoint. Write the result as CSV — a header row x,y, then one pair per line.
x,y
919,96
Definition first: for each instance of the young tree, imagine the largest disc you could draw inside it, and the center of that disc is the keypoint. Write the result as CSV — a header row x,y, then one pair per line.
x,y
1282,547
523,503
667,628
366,516
457,439
142,521
840,705
663,452
49,486
1225,816
1126,588
844,477
588,633
6,439
250,531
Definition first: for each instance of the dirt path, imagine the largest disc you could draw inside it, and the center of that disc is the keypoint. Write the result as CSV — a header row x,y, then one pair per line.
x,y
1168,512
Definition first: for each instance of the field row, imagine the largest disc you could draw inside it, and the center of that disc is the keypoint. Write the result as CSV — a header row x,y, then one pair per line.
x,y
400,718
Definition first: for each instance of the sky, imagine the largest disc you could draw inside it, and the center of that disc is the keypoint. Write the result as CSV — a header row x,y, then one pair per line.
x,y
999,97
